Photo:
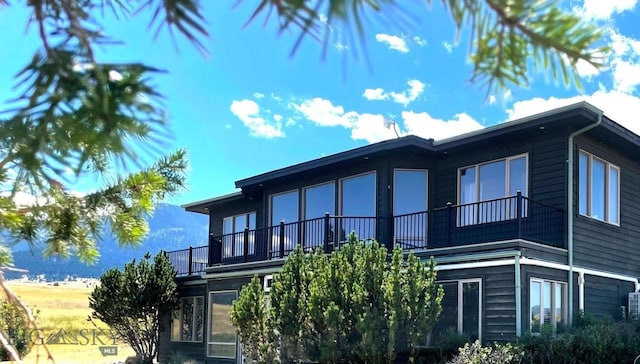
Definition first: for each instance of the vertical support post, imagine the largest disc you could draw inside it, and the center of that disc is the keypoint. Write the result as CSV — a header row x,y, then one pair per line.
x,y
327,232
282,239
190,260
518,295
449,212
246,243
519,212
391,234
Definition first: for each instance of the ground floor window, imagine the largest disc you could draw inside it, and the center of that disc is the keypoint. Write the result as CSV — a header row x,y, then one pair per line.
x,y
187,322
461,309
547,304
222,341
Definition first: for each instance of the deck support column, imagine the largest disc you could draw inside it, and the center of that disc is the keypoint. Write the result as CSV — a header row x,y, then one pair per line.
x,y
518,296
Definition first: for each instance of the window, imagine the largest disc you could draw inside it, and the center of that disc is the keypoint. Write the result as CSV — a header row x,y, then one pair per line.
x,y
318,201
187,320
548,304
358,206
599,190
491,182
233,234
410,194
284,208
461,308
221,341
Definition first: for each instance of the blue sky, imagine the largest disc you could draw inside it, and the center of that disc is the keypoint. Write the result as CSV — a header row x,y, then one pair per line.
x,y
249,107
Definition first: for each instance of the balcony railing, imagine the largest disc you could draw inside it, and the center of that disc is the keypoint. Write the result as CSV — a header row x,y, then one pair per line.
x,y
514,217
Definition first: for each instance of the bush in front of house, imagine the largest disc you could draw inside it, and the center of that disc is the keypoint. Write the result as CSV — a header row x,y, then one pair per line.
x,y
475,353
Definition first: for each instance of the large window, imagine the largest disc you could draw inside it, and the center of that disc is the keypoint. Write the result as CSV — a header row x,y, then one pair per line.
x,y
358,206
187,322
318,201
599,194
461,309
410,194
233,234
221,341
548,304
284,208
483,187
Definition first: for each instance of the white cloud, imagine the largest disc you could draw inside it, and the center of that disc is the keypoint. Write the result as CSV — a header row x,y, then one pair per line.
x,y
322,112
393,41
492,100
248,111
586,69
371,127
424,125
625,62
258,95
374,94
416,88
419,41
447,46
621,107
604,9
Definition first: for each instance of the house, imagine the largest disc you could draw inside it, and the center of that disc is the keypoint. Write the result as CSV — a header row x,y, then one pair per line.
x,y
530,221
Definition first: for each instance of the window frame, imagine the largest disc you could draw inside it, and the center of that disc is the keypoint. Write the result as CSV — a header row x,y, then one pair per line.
x,y
232,235
393,202
303,207
608,167
209,321
425,221
271,196
460,302
565,302
194,339
507,176
375,190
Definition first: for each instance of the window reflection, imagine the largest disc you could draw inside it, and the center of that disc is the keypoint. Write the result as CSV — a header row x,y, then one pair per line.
x,y
222,335
318,201
358,202
284,208
409,208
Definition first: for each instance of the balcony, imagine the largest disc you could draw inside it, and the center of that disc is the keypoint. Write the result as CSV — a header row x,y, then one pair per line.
x,y
514,217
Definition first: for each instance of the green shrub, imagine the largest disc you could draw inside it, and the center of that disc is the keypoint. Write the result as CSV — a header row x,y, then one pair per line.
x,y
15,325
495,354
589,341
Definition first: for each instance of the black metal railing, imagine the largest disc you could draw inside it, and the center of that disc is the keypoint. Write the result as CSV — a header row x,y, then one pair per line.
x,y
514,217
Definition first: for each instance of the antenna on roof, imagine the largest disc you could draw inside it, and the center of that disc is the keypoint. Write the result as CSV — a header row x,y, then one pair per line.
x,y
388,123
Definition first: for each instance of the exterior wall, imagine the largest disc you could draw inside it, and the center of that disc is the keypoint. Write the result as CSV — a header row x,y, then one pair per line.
x,y
600,245
167,348
498,299
528,272
605,297
218,213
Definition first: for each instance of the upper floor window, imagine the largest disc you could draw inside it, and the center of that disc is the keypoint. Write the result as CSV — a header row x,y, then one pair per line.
x,y
233,234
599,194
358,206
491,182
284,208
410,193
318,200
187,320
547,304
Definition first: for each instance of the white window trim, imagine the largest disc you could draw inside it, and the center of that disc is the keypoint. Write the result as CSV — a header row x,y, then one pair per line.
x,y
507,176
375,190
426,171
271,196
233,221
553,317
304,196
193,320
460,308
608,167
209,303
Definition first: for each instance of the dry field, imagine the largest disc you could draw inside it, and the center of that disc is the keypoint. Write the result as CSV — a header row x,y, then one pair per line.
x,y
62,313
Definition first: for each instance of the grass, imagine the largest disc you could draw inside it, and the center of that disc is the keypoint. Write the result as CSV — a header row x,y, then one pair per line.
x,y
62,312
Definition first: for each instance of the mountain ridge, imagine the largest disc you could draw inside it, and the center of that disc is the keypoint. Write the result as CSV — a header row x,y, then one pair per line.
x,y
170,228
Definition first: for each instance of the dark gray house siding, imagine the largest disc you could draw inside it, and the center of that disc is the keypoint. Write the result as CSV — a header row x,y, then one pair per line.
x,y
601,245
599,248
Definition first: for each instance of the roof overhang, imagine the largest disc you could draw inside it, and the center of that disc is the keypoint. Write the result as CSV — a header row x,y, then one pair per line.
x,y
204,206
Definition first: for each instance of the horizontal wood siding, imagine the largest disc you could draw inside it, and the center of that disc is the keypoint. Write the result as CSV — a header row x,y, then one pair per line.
x,y
498,299
233,208
600,245
605,297
167,348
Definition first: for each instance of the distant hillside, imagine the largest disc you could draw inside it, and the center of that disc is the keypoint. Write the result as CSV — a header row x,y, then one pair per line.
x,y
170,228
